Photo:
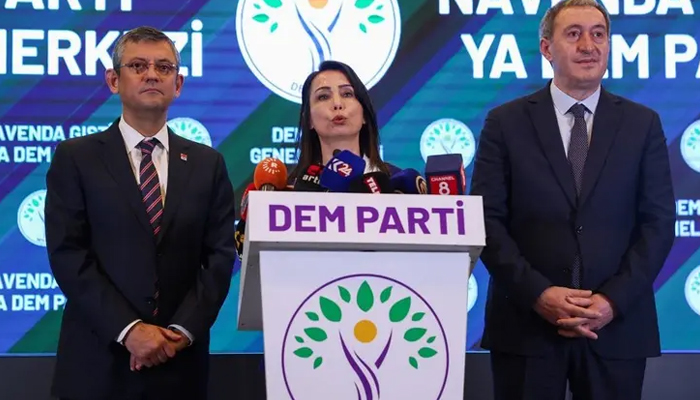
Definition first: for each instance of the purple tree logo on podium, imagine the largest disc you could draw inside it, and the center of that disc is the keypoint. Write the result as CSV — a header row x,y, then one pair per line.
x,y
367,330
283,41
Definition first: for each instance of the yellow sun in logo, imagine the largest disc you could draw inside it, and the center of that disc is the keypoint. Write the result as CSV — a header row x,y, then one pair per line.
x,y
318,3
365,331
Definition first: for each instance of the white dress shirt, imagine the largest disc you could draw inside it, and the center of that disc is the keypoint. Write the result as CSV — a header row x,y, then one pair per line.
x,y
160,160
160,153
562,104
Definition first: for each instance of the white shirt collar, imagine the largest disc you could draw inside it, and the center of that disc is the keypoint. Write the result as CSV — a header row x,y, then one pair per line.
x,y
563,102
132,137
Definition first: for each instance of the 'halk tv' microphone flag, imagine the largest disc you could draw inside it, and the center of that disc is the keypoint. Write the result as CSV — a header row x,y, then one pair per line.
x,y
409,181
344,168
445,174
373,182
310,180
270,174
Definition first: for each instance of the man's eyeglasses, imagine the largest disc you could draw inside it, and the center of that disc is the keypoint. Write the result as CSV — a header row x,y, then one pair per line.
x,y
162,67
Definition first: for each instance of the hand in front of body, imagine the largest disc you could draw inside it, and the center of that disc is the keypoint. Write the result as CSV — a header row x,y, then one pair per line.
x,y
152,345
558,303
583,326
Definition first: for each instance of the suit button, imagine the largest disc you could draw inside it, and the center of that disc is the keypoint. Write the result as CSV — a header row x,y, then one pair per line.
x,y
579,229
150,301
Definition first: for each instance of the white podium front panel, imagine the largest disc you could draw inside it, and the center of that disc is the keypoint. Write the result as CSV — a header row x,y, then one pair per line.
x,y
304,220
364,325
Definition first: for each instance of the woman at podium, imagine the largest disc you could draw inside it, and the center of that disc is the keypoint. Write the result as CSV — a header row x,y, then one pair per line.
x,y
339,135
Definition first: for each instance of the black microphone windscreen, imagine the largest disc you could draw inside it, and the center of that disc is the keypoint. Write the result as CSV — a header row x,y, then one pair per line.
x,y
373,182
445,174
310,180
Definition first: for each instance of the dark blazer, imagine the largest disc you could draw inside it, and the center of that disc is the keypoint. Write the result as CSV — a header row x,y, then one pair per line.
x,y
623,222
105,259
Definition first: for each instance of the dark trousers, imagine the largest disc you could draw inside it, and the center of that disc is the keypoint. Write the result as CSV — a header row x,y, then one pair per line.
x,y
590,377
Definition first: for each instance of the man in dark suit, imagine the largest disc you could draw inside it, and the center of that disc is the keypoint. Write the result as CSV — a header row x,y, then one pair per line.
x,y
579,210
140,237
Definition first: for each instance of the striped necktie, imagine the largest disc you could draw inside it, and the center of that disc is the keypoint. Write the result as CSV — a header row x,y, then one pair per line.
x,y
151,194
150,185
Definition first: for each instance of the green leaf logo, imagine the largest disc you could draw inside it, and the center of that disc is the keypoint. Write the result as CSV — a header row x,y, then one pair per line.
x,y
414,334
312,316
373,18
304,352
190,129
263,17
694,138
417,316
426,352
34,208
365,297
330,309
405,318
316,334
399,311
344,294
385,295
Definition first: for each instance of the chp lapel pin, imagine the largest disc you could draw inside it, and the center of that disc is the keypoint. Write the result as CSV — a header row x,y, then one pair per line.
x,y
183,156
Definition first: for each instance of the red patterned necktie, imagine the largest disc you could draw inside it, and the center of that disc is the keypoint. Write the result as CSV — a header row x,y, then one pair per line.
x,y
151,193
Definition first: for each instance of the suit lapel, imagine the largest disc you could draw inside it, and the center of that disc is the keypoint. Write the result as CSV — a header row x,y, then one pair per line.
x,y
117,163
541,108
178,176
606,123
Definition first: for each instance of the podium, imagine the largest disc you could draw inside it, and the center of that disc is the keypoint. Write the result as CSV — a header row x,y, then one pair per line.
x,y
360,296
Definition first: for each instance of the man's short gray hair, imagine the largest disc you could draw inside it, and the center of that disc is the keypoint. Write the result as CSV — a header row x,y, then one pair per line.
x,y
547,24
141,34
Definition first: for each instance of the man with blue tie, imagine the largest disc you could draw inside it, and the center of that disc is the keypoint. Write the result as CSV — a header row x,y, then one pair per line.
x,y
579,213
140,238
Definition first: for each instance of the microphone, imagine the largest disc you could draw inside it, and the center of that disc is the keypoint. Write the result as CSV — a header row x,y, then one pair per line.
x,y
310,181
373,182
239,234
445,174
270,174
344,168
239,238
244,200
409,181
